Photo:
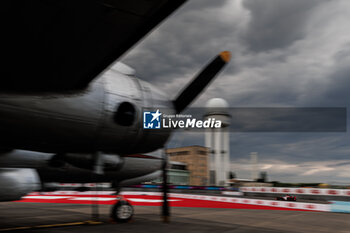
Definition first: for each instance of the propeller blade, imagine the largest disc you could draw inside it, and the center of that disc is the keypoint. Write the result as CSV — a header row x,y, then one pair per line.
x,y
201,81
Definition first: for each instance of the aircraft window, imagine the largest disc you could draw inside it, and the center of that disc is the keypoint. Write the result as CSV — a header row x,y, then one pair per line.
x,y
125,114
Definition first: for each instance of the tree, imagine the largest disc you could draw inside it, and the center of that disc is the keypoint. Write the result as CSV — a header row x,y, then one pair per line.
x,y
232,175
262,177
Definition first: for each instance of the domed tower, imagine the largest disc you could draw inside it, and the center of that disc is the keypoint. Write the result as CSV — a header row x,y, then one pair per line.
x,y
218,142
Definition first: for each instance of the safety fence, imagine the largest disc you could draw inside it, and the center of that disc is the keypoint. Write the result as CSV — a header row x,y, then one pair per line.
x,y
305,191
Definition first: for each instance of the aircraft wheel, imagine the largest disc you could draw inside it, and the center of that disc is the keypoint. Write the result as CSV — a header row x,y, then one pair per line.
x,y
122,211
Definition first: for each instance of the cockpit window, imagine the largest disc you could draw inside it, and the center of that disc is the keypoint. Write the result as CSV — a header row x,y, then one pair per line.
x,y
125,114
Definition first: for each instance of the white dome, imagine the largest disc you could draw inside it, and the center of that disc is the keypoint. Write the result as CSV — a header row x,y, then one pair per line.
x,y
218,108
217,103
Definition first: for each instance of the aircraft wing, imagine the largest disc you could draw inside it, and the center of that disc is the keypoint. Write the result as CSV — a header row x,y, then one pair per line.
x,y
61,45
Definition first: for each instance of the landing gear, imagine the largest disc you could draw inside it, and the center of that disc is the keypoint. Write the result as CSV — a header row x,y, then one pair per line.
x,y
122,211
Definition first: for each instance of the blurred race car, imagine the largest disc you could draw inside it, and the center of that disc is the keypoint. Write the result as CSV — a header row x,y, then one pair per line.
x,y
286,198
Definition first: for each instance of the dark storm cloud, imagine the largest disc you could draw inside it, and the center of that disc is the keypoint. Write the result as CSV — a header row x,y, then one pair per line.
x,y
183,44
331,88
285,54
340,164
291,147
278,119
339,80
288,119
291,157
276,24
203,4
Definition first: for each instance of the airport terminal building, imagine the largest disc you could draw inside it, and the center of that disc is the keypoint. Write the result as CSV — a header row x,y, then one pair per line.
x,y
196,159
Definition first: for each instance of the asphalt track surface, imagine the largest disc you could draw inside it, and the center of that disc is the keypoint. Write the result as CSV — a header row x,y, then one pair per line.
x,y
57,218
71,212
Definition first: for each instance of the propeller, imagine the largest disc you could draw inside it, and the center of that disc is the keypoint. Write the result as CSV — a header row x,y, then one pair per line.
x,y
182,101
201,81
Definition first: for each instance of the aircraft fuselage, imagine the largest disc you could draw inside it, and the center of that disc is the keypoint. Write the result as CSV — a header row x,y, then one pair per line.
x,y
84,121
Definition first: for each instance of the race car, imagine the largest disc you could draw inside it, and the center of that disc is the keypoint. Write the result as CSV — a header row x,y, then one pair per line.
x,y
286,198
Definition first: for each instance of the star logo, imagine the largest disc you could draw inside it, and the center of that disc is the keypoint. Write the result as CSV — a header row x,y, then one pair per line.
x,y
151,120
156,115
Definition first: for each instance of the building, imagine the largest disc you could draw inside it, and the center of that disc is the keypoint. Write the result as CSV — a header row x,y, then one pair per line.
x,y
177,174
218,140
196,158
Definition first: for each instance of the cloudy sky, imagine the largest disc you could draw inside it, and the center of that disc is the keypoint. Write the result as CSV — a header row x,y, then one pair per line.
x,y
285,54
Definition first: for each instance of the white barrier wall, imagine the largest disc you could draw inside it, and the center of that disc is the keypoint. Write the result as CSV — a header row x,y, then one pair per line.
x,y
305,191
246,201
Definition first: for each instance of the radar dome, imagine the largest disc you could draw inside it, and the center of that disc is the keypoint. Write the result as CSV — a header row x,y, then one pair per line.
x,y
217,103
218,108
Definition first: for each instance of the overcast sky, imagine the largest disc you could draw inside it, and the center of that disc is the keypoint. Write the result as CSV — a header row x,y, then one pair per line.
x,y
285,54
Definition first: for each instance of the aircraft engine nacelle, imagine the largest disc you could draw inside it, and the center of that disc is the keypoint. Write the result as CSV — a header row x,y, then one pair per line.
x,y
126,100
17,182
